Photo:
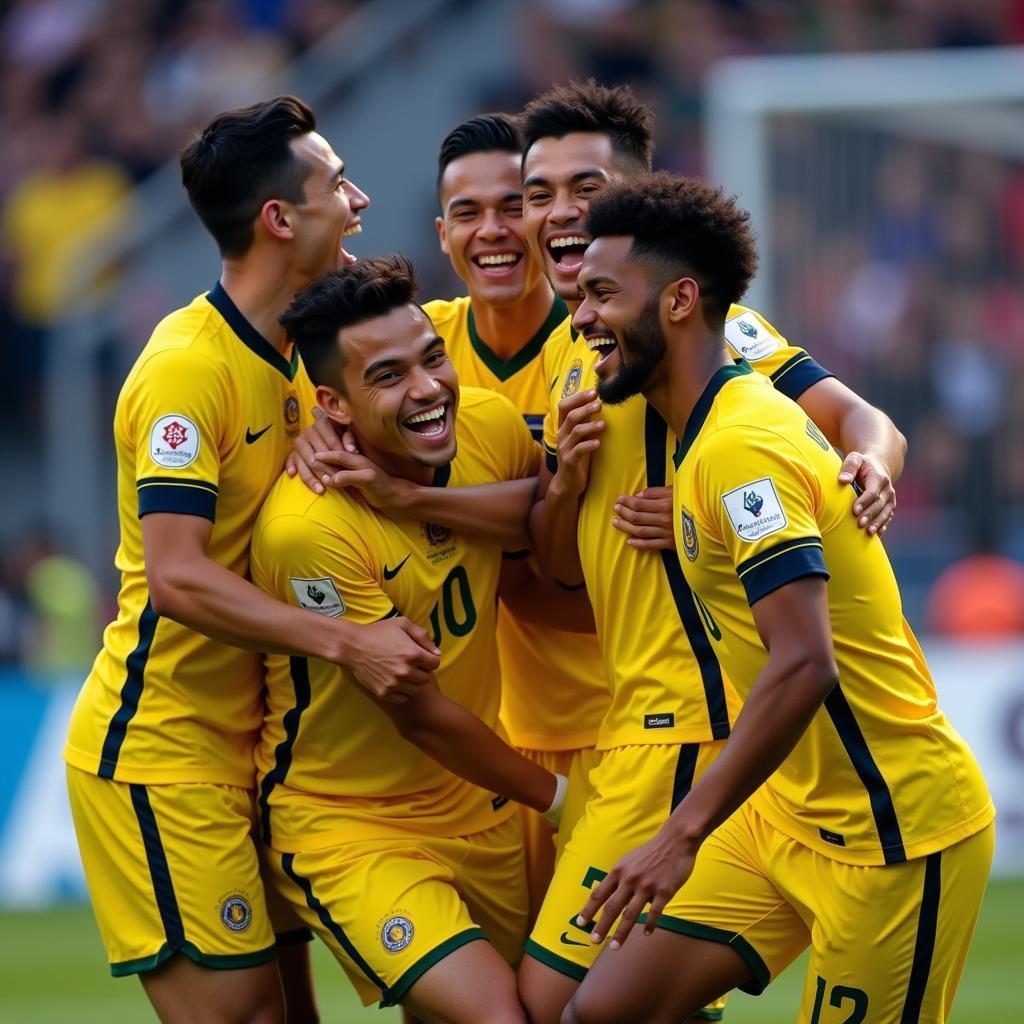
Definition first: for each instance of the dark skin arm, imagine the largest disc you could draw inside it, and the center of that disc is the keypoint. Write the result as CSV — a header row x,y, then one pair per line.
x,y
532,599
459,741
874,448
793,623
393,660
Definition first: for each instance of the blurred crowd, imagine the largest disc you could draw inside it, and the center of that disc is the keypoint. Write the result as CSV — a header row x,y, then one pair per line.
x,y
911,292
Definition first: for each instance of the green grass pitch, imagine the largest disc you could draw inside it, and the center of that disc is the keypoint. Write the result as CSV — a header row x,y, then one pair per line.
x,y
52,969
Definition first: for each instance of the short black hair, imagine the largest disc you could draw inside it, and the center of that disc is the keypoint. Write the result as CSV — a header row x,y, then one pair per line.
x,y
368,288
685,228
241,159
486,133
589,107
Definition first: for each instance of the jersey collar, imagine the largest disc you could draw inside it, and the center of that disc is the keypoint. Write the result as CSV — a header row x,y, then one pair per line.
x,y
703,407
505,368
248,335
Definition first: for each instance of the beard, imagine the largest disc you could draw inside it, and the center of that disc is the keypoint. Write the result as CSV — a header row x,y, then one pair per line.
x,y
647,345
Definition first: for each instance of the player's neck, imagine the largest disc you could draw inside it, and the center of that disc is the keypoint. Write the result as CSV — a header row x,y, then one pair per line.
x,y
684,376
262,293
396,466
508,328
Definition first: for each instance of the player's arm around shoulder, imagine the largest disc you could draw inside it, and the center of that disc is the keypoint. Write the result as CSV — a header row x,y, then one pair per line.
x,y
874,447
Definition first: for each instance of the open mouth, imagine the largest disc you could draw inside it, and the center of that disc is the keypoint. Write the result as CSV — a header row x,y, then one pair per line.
x,y
567,252
604,344
356,228
498,264
431,423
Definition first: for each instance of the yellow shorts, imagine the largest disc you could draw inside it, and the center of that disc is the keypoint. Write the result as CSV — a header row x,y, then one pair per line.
x,y
176,869
888,942
633,790
390,909
540,841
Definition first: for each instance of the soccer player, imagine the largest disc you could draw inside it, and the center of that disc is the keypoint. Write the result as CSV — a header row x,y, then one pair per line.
x,y
868,832
394,860
672,706
554,692
160,748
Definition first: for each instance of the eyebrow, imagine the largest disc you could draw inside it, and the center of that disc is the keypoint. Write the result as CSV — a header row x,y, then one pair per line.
x,y
593,172
383,364
592,282
466,201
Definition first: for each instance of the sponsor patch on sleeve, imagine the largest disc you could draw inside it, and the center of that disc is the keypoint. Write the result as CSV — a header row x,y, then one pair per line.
x,y
318,595
749,336
755,510
174,441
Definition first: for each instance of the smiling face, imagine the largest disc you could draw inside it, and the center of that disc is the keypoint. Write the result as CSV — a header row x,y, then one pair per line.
x,y
400,392
330,212
620,318
481,229
560,177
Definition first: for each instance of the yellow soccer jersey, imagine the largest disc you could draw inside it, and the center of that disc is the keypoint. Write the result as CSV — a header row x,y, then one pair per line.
x,y
332,767
880,776
667,685
555,693
203,424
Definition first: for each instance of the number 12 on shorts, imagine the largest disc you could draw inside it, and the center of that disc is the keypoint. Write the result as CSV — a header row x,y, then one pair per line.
x,y
840,994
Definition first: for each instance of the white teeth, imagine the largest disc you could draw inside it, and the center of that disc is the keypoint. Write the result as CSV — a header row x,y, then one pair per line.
x,y
355,230
600,341
425,417
497,261
561,243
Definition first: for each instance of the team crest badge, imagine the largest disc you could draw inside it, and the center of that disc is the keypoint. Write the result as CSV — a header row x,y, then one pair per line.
x,y
690,546
236,913
396,934
437,536
573,378
291,410
748,329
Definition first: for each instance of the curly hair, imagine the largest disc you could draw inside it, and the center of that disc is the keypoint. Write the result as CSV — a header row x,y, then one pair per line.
x,y
487,133
241,159
367,289
589,107
682,227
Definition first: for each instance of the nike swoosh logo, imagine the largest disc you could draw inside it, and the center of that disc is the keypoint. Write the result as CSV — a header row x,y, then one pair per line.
x,y
566,941
250,437
390,574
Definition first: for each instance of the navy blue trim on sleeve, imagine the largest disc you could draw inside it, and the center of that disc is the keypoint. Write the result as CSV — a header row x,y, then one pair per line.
x,y
184,497
515,556
792,559
796,375
551,461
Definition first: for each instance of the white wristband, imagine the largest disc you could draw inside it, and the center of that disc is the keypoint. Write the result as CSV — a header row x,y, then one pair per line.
x,y
553,815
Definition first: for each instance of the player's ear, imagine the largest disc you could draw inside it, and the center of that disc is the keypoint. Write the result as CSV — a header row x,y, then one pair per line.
x,y
442,234
682,296
334,404
275,218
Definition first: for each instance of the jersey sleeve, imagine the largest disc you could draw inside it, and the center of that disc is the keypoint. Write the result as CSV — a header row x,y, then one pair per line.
x,y
758,494
302,561
176,419
791,370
